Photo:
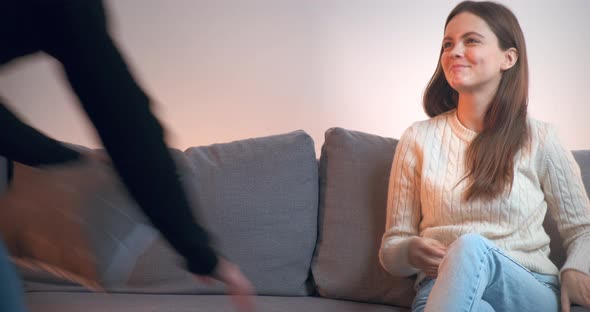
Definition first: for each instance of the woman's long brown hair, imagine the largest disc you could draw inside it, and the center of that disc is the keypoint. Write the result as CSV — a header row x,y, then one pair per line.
x,y
490,156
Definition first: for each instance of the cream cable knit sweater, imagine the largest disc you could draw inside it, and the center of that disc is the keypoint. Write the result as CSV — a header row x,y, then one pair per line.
x,y
425,200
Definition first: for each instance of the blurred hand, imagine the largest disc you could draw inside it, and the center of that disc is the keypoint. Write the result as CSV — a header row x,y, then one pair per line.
x,y
426,254
238,286
575,288
97,156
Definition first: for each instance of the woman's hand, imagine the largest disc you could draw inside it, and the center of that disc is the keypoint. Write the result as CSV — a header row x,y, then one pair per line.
x,y
426,254
575,288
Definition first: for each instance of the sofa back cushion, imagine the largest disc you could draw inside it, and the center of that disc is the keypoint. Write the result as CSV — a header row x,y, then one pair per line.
x,y
558,253
258,199
354,174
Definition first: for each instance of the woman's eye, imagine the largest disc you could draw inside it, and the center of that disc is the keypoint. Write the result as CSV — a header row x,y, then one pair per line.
x,y
471,40
447,45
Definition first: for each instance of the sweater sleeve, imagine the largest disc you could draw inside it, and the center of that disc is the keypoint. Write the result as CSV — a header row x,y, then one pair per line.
x,y
403,207
75,33
25,144
567,201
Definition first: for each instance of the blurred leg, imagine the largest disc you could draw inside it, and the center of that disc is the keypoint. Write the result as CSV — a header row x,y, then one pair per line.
x,y
11,292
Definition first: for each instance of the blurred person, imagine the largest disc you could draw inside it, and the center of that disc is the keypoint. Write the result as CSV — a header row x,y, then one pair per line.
x,y
74,32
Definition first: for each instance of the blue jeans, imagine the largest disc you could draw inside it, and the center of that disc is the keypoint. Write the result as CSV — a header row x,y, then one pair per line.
x,y
477,276
11,293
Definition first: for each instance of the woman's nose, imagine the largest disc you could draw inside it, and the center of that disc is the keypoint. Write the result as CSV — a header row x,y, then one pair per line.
x,y
457,51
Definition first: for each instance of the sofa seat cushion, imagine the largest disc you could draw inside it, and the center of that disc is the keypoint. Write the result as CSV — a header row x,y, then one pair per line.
x,y
100,302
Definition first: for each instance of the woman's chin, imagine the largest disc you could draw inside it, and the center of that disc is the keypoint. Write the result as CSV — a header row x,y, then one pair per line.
x,y
459,85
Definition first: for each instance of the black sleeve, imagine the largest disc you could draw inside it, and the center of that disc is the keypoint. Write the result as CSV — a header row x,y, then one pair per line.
x,y
24,144
76,35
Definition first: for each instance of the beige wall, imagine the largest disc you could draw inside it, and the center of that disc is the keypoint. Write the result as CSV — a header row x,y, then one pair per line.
x,y
222,70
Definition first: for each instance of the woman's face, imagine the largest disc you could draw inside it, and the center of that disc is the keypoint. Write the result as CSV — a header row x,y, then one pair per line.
x,y
472,59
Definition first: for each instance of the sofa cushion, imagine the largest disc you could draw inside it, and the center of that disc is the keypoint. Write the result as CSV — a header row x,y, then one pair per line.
x,y
92,302
583,159
258,199
354,174
58,220
558,253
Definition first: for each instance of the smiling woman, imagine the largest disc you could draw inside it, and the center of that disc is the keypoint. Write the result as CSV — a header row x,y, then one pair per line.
x,y
470,187
473,61
487,78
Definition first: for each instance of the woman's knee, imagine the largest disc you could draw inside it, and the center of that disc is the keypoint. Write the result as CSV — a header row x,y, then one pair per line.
x,y
469,245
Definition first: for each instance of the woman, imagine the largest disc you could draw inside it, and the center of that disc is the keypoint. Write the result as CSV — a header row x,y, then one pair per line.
x,y
469,188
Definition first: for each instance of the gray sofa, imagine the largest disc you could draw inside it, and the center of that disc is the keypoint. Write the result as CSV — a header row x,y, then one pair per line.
x,y
306,233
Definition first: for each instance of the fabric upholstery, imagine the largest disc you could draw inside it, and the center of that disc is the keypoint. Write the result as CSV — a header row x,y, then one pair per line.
x,y
558,253
89,302
583,159
258,200
354,174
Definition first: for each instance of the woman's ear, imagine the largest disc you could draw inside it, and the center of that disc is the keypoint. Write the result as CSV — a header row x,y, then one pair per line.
x,y
510,58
